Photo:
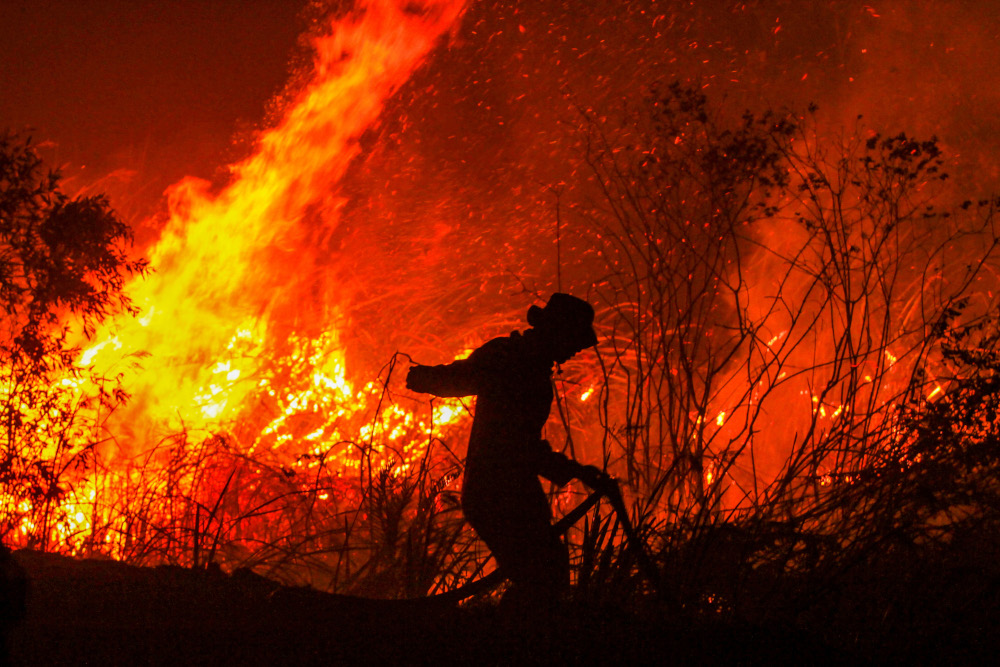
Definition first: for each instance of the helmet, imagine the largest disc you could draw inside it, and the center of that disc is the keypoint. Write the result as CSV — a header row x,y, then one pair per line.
x,y
566,317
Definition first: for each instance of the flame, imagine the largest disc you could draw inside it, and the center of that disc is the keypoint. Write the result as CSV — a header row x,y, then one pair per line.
x,y
218,334
227,264
222,325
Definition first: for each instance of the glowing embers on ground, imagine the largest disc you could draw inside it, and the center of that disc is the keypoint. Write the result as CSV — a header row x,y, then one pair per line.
x,y
301,421
314,407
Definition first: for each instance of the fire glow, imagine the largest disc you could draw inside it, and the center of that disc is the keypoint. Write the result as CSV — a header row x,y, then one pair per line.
x,y
213,344
208,309
237,368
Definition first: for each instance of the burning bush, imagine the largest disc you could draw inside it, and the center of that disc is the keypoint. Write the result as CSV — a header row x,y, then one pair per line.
x,y
795,373
759,264
799,365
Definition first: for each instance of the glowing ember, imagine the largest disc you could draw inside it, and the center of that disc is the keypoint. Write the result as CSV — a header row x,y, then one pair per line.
x,y
243,394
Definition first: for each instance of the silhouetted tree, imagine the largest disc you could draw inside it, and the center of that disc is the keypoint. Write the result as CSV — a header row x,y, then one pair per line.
x,y
63,264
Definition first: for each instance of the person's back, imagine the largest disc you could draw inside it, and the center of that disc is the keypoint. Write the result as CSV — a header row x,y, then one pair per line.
x,y
514,396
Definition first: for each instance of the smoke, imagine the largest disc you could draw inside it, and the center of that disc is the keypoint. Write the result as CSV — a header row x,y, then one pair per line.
x,y
130,97
454,200
441,228
474,140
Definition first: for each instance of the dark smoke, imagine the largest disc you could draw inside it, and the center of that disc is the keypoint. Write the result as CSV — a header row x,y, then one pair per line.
x,y
456,195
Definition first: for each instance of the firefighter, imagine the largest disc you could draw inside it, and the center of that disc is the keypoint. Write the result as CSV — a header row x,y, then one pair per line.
x,y
502,497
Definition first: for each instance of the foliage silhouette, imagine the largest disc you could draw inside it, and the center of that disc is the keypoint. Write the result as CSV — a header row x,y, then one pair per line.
x,y
797,382
782,304
63,261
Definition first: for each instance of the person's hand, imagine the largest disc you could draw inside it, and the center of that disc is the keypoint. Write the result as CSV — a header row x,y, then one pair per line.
x,y
593,477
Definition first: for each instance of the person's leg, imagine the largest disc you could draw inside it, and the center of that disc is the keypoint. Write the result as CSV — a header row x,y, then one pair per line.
x,y
537,563
520,535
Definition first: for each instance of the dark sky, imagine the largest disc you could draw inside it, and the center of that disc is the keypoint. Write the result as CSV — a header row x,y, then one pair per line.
x,y
158,87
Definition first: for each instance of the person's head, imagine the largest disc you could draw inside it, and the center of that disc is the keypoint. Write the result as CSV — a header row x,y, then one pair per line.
x,y
565,324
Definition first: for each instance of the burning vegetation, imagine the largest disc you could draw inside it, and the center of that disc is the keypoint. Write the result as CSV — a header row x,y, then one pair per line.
x,y
795,379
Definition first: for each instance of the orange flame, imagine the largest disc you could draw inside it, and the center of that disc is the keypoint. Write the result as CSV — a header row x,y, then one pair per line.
x,y
228,273
227,261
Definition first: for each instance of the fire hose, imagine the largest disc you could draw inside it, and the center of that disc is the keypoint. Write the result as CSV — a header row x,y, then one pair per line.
x,y
606,487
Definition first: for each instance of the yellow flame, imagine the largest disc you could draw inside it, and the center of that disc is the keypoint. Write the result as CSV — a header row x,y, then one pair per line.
x,y
214,314
226,260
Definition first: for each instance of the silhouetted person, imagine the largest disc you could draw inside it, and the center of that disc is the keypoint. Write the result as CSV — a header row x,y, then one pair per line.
x,y
502,497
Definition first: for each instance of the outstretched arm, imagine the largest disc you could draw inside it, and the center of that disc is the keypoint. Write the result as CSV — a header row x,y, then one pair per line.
x,y
464,377
459,378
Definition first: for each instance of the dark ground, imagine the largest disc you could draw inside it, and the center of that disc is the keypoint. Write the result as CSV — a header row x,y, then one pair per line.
x,y
92,612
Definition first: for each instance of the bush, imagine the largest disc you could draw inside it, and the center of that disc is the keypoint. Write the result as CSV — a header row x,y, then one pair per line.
x,y
63,261
780,311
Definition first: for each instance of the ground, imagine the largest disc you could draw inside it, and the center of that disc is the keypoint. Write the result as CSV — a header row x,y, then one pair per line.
x,y
100,612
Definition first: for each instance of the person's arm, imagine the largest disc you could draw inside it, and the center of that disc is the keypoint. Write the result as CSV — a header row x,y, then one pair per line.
x,y
560,469
459,378
464,377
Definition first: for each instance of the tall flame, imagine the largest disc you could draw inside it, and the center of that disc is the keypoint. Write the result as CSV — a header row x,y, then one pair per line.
x,y
227,261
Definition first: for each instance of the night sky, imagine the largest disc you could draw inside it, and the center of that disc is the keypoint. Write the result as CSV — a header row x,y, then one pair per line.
x,y
159,88
164,87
